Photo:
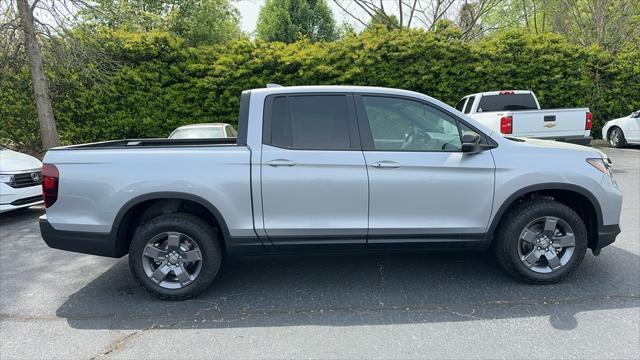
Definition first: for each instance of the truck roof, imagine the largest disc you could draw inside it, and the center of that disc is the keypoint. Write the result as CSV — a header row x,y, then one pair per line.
x,y
335,88
500,92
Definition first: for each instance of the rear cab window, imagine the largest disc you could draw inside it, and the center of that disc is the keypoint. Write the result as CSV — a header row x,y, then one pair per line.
x,y
467,109
460,105
506,102
309,122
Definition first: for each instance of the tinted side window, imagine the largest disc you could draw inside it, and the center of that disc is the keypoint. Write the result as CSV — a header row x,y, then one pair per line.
x,y
280,123
507,102
407,125
310,122
467,109
460,105
319,122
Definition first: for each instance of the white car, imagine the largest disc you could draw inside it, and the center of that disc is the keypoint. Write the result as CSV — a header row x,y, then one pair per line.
x,y
20,180
204,131
623,131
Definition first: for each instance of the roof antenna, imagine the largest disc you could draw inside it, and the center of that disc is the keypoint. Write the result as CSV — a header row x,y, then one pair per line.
x,y
270,85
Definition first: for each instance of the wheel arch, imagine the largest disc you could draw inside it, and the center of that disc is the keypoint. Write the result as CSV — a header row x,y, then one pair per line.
x,y
144,207
576,197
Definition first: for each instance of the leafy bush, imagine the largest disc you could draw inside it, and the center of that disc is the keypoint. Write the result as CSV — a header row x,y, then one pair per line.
x,y
160,83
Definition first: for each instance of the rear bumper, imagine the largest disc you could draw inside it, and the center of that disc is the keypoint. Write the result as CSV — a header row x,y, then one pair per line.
x,y
101,244
581,140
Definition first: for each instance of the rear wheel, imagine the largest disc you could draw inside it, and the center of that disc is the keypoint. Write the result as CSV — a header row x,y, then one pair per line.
x,y
175,256
541,241
616,138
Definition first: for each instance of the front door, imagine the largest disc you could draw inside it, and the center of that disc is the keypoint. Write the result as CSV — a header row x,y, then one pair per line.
x,y
422,187
314,179
634,127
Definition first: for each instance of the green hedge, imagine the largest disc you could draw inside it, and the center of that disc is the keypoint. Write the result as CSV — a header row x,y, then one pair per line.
x,y
160,83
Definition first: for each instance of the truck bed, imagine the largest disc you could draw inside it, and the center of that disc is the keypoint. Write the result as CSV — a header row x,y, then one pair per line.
x,y
156,142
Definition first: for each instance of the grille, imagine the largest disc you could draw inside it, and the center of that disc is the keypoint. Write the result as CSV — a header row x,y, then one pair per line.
x,y
25,180
28,200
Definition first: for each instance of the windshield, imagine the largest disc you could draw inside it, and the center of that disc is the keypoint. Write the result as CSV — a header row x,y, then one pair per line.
x,y
507,102
198,133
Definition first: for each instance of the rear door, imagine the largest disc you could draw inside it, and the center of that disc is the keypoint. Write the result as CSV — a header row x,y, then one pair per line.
x,y
314,179
422,187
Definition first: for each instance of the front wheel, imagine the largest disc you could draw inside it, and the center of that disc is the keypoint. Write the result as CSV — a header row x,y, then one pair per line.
x,y
616,138
175,256
541,241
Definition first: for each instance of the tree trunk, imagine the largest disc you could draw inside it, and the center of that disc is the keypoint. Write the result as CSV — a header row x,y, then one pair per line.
x,y
48,132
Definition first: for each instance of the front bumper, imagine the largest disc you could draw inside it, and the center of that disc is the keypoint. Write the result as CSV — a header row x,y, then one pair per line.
x,y
606,236
609,201
101,244
12,198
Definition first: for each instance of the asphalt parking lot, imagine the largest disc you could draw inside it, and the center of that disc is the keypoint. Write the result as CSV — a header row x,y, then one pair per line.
x,y
56,304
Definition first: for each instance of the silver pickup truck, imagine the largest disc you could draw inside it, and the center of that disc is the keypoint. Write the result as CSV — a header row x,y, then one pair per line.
x,y
329,168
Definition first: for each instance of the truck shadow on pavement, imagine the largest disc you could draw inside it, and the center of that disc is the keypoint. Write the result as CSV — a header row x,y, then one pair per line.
x,y
329,290
362,289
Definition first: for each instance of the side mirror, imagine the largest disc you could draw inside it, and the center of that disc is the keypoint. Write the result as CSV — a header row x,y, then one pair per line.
x,y
471,142
635,114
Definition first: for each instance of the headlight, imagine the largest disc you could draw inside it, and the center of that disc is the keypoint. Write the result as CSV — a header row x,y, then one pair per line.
x,y
604,165
6,178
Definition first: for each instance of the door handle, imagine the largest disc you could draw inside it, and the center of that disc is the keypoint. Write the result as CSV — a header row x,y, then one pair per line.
x,y
385,164
280,162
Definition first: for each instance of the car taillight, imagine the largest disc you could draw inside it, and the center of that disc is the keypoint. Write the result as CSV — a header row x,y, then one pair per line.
x,y
506,124
588,123
506,93
50,176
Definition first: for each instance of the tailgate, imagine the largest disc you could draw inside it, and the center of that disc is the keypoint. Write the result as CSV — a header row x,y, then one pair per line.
x,y
550,123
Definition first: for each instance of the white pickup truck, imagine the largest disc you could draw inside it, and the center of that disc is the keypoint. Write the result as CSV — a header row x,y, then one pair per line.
x,y
517,113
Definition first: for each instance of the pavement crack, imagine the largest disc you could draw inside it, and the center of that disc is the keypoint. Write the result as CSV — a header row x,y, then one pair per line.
x,y
470,315
381,280
121,342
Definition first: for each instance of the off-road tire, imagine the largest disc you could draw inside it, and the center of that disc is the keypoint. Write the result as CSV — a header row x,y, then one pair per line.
x,y
513,223
199,231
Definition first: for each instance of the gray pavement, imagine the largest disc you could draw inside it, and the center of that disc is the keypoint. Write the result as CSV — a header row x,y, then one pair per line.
x,y
56,304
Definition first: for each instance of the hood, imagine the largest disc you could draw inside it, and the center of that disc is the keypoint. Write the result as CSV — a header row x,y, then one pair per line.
x,y
550,144
619,119
12,161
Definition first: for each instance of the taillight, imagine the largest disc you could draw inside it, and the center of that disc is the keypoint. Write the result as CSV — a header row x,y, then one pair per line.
x,y
506,124
50,176
588,123
506,93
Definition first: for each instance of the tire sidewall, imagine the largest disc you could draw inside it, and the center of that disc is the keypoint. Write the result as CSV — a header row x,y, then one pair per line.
x,y
199,231
621,140
535,210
